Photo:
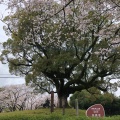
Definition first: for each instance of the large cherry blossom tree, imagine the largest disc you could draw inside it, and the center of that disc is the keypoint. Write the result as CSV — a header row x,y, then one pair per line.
x,y
64,45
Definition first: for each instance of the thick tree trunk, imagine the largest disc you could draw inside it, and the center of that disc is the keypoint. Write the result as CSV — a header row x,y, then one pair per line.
x,y
62,101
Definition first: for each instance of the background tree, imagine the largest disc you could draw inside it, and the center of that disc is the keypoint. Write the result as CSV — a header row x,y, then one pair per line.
x,y
110,102
85,98
19,97
22,97
67,45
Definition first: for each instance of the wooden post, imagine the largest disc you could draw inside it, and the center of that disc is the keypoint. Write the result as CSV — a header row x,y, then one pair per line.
x,y
63,105
63,110
76,106
52,102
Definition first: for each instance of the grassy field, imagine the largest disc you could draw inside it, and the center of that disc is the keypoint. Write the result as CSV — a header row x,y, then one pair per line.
x,y
44,114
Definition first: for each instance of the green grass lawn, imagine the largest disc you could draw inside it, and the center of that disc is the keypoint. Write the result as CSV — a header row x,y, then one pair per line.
x,y
44,114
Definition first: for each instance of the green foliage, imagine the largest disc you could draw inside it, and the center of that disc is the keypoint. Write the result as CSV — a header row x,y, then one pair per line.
x,y
110,102
85,98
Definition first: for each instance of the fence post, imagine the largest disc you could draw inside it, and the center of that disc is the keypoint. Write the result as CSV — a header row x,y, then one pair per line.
x,y
76,106
63,105
52,102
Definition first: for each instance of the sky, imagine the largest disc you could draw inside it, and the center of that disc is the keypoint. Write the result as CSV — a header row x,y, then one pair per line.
x,y
4,70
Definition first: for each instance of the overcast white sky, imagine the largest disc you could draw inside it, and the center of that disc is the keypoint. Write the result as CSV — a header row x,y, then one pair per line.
x,y
4,71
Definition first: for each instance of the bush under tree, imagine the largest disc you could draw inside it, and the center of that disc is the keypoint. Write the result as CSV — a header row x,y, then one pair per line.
x,y
110,102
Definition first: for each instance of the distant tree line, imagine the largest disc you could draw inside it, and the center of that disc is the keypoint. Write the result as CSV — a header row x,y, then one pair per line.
x,y
110,102
21,97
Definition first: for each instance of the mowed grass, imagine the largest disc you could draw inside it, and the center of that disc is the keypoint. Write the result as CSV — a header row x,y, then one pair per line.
x,y
45,114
